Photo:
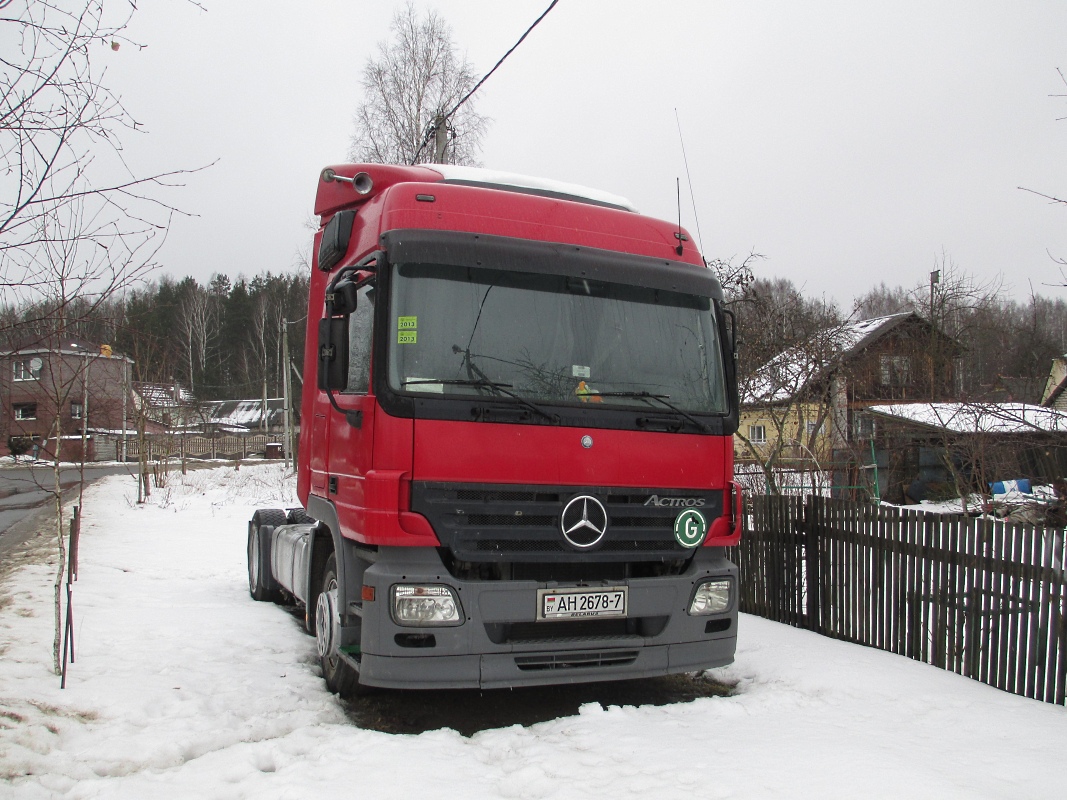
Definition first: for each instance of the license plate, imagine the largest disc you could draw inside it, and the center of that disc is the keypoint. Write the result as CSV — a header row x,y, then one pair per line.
x,y
581,603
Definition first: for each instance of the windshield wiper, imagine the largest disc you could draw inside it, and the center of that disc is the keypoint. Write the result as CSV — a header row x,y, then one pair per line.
x,y
661,398
485,383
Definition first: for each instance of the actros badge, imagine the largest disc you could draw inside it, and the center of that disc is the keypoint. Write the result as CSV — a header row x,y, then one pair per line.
x,y
584,521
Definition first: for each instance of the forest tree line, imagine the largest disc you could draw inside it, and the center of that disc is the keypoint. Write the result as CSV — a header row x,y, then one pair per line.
x,y
221,340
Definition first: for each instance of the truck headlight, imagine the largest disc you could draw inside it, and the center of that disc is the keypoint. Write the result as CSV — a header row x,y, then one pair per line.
x,y
425,606
710,597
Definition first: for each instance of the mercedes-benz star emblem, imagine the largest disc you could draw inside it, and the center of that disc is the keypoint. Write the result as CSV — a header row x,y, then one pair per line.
x,y
584,521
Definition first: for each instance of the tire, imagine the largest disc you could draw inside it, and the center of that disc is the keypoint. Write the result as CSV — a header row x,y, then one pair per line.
x,y
340,678
298,516
261,583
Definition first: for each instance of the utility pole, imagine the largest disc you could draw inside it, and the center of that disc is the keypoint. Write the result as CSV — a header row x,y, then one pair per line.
x,y
440,133
935,278
288,441
125,392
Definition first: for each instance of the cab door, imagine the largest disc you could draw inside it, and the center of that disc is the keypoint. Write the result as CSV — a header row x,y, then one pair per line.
x,y
351,435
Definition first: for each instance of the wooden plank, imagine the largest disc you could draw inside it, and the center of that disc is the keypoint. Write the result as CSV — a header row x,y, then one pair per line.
x,y
980,581
912,648
1003,582
893,606
1061,621
1047,593
981,585
1033,637
1017,670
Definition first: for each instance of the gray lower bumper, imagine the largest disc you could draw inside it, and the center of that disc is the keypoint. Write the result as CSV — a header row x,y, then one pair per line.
x,y
467,657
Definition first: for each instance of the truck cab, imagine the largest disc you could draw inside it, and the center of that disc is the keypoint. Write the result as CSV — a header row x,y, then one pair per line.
x,y
515,457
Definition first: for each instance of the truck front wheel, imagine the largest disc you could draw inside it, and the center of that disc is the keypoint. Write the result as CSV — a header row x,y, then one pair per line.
x,y
339,676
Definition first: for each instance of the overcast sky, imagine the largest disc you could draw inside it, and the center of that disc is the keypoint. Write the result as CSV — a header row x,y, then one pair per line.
x,y
849,143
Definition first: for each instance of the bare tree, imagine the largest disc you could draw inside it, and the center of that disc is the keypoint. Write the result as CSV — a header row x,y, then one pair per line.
x,y
198,322
77,227
63,183
412,82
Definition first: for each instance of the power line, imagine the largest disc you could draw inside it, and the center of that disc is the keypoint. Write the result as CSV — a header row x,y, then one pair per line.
x,y
432,128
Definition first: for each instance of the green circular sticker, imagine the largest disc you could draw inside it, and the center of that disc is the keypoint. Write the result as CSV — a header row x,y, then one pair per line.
x,y
690,528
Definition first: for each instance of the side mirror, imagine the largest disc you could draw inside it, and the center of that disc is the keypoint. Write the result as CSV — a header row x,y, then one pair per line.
x,y
731,332
333,354
335,239
343,297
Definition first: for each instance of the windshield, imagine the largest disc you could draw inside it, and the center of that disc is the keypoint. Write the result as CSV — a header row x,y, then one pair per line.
x,y
463,331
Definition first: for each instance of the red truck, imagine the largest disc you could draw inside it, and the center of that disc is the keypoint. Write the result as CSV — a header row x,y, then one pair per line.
x,y
516,452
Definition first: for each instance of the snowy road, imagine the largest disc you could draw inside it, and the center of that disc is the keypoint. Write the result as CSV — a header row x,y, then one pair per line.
x,y
185,687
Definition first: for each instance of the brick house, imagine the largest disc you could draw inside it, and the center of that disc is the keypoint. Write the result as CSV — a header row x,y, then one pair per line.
x,y
75,382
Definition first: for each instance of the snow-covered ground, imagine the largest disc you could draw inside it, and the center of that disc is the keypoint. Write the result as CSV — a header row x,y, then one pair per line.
x,y
185,687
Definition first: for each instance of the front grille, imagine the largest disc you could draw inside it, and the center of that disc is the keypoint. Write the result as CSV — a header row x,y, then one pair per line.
x,y
482,523
578,660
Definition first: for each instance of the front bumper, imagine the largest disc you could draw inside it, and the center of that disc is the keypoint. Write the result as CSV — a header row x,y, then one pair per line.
x,y
501,644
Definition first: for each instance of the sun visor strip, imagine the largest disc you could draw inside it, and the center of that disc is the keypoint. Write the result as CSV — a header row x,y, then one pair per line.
x,y
522,255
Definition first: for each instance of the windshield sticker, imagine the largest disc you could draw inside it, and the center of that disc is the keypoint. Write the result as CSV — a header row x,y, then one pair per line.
x,y
579,371
405,330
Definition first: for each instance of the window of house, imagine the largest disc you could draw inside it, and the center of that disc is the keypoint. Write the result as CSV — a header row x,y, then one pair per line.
x,y
28,369
864,427
814,429
25,411
896,370
757,434
77,411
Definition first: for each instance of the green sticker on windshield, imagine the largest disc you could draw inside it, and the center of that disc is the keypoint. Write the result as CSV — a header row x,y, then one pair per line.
x,y
407,323
406,337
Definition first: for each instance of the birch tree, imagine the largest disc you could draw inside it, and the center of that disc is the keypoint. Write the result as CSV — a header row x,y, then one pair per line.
x,y
414,79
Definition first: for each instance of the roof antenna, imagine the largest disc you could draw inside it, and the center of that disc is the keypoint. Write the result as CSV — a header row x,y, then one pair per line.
x,y
681,237
689,178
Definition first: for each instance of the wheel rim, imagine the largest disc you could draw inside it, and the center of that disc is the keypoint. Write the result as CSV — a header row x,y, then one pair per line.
x,y
253,562
325,617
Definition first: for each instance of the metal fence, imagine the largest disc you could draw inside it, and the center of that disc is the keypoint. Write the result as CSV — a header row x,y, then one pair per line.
x,y
979,597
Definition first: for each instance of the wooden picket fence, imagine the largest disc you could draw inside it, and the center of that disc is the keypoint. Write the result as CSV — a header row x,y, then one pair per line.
x,y
982,598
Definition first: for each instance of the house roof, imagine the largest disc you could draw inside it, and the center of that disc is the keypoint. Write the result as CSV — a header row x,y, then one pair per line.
x,y
246,413
67,345
995,418
161,395
792,370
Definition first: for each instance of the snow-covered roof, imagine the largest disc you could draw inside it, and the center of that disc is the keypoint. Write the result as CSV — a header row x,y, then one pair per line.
x,y
491,177
70,346
246,413
1001,418
161,395
792,370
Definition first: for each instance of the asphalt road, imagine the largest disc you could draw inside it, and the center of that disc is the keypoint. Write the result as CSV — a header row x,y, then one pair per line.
x,y
25,489
26,498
